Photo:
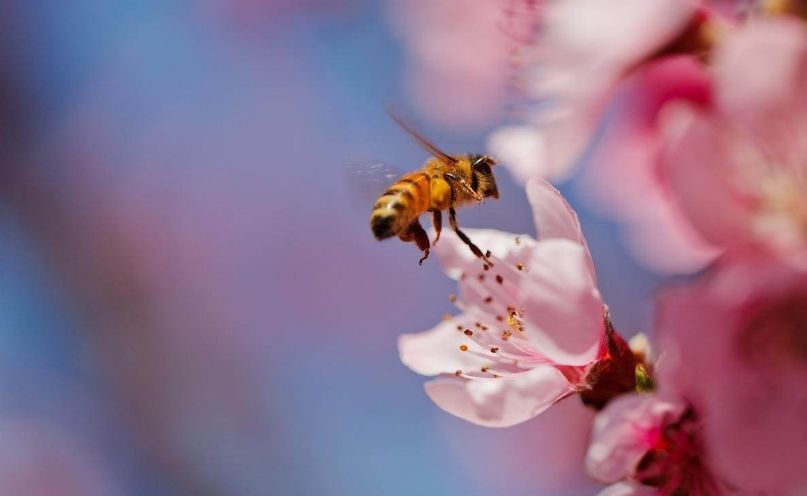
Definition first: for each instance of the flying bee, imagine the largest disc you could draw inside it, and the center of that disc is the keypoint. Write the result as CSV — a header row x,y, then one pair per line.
x,y
445,182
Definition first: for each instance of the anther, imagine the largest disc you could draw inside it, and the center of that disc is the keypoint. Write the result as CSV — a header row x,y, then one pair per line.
x,y
520,266
518,240
458,372
489,299
499,279
463,347
469,332
481,277
487,254
494,349
452,298
499,318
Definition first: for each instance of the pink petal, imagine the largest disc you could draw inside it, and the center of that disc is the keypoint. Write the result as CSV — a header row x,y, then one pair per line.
x,y
761,73
437,351
666,242
752,408
624,432
554,218
562,306
523,151
628,489
613,35
586,47
499,402
696,163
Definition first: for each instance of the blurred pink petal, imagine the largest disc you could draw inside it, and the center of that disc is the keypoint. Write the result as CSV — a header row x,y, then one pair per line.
x,y
627,489
532,327
739,172
583,50
647,440
700,174
622,177
459,55
736,349
624,432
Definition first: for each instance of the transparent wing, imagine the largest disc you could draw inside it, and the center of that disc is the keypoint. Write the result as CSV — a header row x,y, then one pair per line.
x,y
367,179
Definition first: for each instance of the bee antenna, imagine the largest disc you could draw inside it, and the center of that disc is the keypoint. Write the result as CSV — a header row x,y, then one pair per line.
x,y
421,140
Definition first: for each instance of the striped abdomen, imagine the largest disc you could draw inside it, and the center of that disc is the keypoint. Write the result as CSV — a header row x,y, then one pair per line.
x,y
401,204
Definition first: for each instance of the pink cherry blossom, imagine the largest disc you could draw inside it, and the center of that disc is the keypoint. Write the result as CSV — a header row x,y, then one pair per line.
x,y
739,171
644,440
736,347
532,329
584,48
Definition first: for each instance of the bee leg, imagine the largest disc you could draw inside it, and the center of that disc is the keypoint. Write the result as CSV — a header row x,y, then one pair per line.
x,y
437,221
416,233
452,219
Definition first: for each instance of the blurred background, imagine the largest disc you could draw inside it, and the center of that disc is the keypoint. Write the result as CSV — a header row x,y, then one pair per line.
x,y
191,301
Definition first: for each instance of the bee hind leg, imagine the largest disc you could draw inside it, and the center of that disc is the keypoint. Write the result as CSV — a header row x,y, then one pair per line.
x,y
416,233
437,222
485,257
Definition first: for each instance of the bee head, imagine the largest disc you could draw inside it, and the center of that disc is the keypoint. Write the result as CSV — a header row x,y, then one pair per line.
x,y
482,180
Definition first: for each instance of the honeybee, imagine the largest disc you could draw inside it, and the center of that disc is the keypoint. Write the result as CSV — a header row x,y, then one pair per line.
x,y
445,182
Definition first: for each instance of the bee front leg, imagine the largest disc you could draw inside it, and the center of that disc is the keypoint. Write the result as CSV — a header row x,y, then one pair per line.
x,y
416,233
437,222
452,219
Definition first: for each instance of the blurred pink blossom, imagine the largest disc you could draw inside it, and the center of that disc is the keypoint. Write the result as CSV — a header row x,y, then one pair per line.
x,y
644,440
584,48
736,347
460,54
532,330
739,171
622,177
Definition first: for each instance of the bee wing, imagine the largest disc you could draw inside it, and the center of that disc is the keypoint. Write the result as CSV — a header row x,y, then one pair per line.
x,y
422,140
368,179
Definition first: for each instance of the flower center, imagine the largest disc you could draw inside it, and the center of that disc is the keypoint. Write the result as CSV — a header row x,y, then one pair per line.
x,y
784,207
674,464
